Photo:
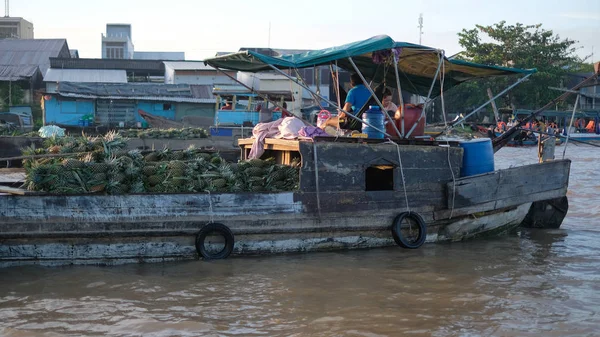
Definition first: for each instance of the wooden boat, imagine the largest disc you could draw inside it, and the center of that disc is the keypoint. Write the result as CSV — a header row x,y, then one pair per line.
x,y
353,193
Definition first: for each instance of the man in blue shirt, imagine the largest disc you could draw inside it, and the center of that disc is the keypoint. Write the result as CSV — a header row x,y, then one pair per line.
x,y
357,96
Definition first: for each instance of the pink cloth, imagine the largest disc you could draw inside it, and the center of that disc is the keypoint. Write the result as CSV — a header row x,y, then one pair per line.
x,y
312,132
260,132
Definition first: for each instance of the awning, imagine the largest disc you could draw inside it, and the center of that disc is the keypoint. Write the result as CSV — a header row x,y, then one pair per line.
x,y
374,57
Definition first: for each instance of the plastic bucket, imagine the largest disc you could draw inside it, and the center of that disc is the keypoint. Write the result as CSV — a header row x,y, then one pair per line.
x,y
411,116
478,157
374,117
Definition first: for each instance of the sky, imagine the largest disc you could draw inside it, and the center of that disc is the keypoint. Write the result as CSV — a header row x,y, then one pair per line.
x,y
200,28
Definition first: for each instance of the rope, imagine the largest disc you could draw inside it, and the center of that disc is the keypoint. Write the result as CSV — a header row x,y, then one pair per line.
x,y
442,79
317,178
389,141
210,208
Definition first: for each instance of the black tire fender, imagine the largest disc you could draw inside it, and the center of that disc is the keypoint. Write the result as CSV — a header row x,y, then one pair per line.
x,y
397,233
210,229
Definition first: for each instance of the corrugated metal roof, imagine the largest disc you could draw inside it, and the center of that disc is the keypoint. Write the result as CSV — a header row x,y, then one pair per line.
x,y
31,52
188,65
144,98
85,75
141,67
202,91
138,91
17,73
159,55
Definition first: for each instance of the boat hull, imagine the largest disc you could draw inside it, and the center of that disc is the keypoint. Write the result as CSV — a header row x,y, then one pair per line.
x,y
333,209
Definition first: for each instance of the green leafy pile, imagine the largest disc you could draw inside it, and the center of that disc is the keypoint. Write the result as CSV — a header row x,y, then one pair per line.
x,y
184,133
102,165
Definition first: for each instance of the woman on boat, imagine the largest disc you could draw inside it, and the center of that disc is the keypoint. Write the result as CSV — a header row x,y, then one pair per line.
x,y
388,105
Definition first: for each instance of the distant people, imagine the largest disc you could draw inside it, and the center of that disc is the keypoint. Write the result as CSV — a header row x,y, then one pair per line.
x,y
591,126
228,106
284,112
500,126
490,133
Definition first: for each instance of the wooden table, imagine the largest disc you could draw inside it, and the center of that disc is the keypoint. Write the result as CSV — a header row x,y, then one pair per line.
x,y
284,150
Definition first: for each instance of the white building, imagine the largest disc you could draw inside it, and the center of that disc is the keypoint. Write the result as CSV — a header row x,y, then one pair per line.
x,y
194,72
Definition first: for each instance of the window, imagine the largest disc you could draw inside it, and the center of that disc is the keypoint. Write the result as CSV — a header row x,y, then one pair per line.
x,y
167,106
115,52
379,178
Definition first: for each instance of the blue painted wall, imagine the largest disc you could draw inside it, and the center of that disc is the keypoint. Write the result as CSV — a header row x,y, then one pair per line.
x,y
67,112
166,110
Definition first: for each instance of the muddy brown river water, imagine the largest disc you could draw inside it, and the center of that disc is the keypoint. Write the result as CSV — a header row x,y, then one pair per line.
x,y
530,283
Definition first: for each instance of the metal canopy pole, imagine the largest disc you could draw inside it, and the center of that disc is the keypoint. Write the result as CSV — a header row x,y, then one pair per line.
x,y
323,98
570,125
401,100
437,71
491,100
374,96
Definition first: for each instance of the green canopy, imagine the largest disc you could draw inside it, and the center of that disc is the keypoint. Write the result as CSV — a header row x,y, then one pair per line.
x,y
417,64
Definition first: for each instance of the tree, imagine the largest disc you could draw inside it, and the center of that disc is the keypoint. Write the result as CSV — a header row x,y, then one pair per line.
x,y
17,94
518,46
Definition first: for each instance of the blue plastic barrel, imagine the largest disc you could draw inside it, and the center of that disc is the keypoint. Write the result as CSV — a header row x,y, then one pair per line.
x,y
374,117
478,157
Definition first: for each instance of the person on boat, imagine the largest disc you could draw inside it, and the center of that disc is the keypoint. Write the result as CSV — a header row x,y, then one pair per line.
x,y
388,105
591,126
501,126
357,97
228,105
284,112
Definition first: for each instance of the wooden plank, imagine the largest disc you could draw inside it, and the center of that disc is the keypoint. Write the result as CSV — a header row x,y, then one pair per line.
x,y
516,200
16,191
498,185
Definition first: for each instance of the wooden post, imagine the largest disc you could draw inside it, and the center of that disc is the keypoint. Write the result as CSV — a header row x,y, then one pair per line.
x,y
546,149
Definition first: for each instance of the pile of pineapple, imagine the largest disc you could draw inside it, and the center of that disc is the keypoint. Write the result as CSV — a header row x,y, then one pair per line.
x,y
184,133
102,165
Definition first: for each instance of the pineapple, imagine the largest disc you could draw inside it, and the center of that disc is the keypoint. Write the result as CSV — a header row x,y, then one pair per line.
x,y
278,175
98,167
178,155
155,180
178,173
257,188
97,188
101,177
216,160
219,183
149,170
256,163
54,149
137,187
152,156
71,164
255,171
177,165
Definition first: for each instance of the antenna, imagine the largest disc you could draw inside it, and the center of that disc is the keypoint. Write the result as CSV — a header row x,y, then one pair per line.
x,y
6,13
268,42
420,26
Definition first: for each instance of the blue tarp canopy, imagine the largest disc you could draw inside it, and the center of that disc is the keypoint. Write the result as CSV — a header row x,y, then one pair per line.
x,y
417,64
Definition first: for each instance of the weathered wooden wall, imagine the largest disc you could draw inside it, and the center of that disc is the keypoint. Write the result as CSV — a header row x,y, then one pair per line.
x,y
507,188
342,167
